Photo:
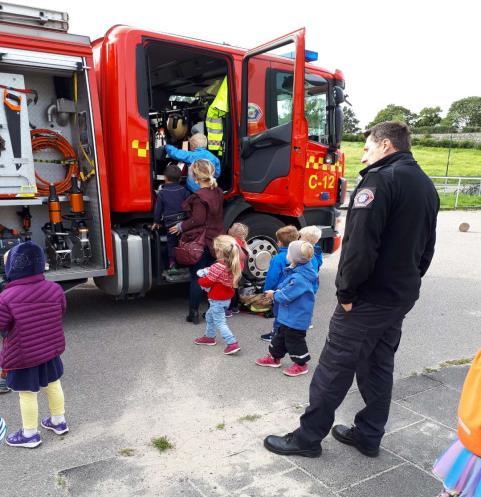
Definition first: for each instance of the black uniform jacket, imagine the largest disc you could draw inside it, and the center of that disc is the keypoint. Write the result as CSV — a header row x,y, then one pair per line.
x,y
390,233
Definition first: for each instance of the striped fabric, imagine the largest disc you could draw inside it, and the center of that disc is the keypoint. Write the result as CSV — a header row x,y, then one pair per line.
x,y
3,429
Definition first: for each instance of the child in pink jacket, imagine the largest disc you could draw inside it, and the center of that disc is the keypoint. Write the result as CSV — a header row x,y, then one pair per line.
x,y
31,312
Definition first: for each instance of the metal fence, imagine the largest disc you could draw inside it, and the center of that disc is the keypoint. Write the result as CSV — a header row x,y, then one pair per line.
x,y
455,192
458,192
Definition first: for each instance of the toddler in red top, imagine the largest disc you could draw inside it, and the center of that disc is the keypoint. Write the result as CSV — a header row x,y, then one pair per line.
x,y
239,232
220,280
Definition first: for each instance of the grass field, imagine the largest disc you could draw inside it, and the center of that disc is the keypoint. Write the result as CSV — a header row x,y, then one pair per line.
x,y
462,162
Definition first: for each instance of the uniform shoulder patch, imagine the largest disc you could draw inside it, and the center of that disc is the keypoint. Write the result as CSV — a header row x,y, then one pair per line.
x,y
364,198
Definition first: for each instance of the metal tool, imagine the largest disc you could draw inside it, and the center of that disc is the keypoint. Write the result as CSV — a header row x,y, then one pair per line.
x,y
13,106
59,253
78,239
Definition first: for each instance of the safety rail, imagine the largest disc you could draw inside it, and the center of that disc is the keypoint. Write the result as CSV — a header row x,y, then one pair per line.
x,y
459,191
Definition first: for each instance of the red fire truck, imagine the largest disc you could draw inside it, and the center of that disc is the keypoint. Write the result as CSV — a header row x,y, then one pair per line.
x,y
81,122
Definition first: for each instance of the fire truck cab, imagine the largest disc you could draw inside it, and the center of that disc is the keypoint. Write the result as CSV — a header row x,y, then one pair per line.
x,y
280,159
93,120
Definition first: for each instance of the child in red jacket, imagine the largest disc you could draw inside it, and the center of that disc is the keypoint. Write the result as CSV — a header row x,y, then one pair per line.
x,y
219,280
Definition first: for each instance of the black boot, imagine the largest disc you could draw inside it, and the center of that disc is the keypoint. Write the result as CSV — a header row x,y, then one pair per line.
x,y
289,446
193,316
350,436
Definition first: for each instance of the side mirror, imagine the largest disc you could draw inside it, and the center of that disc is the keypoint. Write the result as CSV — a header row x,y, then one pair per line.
x,y
339,97
339,124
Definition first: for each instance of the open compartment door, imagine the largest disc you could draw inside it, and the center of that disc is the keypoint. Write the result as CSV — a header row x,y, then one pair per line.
x,y
273,125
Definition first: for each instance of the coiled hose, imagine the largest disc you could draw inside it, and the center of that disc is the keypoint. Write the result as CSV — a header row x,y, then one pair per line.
x,y
43,139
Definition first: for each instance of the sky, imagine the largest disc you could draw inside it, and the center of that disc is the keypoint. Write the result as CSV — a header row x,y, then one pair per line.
x,y
412,53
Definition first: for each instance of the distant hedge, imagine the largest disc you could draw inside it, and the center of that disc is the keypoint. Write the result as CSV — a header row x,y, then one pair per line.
x,y
431,142
350,137
439,130
425,141
423,130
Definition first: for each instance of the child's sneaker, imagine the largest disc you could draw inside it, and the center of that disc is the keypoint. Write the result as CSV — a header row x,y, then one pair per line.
x,y
205,340
3,386
235,310
59,429
228,313
19,440
269,361
232,349
267,337
296,370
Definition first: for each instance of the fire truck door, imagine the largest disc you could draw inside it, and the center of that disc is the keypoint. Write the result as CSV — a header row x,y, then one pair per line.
x,y
273,159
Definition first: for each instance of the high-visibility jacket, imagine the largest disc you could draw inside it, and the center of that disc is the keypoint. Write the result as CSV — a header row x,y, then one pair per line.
x,y
217,110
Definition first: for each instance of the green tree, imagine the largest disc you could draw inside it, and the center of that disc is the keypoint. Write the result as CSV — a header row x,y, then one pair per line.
x,y
429,116
465,112
394,113
351,122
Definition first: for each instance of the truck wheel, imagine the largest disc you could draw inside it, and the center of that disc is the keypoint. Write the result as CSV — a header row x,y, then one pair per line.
x,y
261,243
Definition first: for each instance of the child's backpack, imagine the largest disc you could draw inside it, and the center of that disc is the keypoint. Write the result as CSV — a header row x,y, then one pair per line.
x,y
469,411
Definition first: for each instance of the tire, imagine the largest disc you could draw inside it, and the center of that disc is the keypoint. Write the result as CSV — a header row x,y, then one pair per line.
x,y
261,243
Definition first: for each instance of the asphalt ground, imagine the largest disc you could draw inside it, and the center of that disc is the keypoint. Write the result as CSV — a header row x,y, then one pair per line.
x,y
132,373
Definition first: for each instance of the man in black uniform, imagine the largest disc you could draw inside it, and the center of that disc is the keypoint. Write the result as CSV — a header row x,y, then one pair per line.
x,y
387,248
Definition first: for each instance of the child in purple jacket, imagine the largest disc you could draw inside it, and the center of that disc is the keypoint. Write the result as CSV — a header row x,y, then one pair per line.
x,y
31,311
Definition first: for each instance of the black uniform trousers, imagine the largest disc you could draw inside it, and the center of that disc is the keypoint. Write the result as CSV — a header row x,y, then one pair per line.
x,y
361,342
287,340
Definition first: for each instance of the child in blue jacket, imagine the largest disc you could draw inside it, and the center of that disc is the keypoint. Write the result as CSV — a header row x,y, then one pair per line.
x,y
312,234
277,266
198,150
295,300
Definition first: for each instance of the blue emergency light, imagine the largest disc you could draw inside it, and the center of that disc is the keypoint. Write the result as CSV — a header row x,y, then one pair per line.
x,y
310,55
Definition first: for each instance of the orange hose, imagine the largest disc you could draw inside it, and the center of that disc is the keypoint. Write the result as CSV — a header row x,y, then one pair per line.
x,y
43,139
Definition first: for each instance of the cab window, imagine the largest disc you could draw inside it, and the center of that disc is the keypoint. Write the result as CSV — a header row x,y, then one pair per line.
x,y
279,86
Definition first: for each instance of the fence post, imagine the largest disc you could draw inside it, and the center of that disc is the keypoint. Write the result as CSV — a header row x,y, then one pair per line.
x,y
457,194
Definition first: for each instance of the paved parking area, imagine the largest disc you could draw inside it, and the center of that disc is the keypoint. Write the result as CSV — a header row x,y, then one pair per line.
x,y
133,373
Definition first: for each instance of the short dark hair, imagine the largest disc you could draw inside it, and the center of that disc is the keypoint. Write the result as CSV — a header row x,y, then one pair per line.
x,y
173,173
395,131
287,234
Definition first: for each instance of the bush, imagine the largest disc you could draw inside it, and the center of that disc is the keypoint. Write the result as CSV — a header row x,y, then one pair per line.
x,y
471,129
430,142
350,137
435,130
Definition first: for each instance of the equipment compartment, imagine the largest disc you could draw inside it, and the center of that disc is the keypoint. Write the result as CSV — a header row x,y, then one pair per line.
x,y
56,122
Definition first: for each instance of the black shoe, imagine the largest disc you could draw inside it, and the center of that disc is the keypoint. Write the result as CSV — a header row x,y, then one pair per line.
x,y
193,317
350,436
289,446
267,337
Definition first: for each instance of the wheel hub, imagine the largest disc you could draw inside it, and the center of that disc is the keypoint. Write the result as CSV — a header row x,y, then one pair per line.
x,y
261,251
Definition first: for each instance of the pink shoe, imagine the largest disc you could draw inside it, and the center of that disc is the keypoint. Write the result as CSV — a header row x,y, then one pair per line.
x,y
296,370
205,340
269,362
232,348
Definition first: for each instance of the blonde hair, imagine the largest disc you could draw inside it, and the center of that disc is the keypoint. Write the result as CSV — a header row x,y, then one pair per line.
x,y
300,252
287,234
310,234
226,248
198,140
203,170
239,230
